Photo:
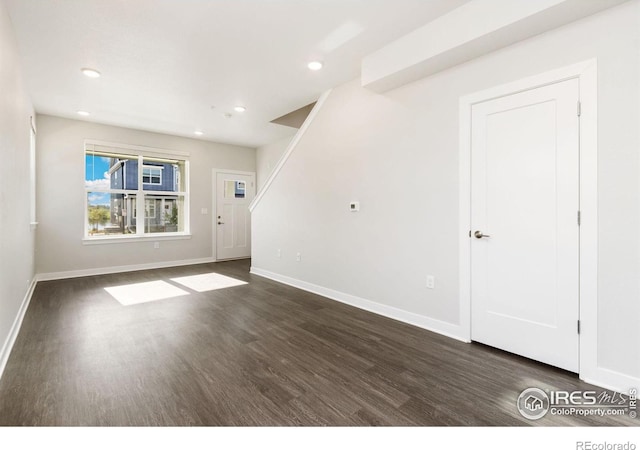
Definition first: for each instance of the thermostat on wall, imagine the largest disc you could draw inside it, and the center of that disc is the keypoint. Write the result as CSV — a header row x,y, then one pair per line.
x,y
354,206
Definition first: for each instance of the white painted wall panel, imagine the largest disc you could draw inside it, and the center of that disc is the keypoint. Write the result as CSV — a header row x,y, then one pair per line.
x,y
16,237
267,156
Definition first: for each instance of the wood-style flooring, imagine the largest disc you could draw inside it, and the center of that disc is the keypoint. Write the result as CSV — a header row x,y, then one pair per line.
x,y
258,354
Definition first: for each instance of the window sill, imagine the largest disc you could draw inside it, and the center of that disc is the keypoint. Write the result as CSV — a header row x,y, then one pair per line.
x,y
123,239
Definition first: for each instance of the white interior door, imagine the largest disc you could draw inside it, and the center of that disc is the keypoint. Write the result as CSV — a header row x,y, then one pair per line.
x,y
234,193
524,223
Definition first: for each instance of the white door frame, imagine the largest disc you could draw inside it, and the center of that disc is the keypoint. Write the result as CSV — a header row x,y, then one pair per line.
x,y
586,73
214,201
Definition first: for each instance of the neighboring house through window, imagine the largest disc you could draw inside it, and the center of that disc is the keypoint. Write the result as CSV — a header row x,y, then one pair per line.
x,y
123,201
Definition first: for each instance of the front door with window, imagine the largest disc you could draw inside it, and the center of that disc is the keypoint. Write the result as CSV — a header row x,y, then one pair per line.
x,y
234,193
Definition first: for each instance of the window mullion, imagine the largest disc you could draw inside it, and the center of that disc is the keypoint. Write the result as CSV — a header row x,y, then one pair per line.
x,y
141,219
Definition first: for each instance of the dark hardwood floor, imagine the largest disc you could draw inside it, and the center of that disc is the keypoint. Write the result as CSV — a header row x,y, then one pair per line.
x,y
258,354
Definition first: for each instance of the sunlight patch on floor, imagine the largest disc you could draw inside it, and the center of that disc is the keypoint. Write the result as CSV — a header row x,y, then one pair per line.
x,y
133,294
208,282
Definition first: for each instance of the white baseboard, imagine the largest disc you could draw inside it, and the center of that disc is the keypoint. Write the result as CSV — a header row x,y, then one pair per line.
x,y
118,269
15,328
605,378
610,379
427,323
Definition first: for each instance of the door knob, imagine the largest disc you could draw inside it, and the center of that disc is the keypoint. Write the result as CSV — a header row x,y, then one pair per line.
x,y
220,223
478,234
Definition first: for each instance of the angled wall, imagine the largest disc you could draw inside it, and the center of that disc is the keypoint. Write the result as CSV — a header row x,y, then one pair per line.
x,y
397,154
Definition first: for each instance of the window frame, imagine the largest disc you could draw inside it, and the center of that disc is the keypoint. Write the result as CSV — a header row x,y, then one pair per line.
x,y
141,154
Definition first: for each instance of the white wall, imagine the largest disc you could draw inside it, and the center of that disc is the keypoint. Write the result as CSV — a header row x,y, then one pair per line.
x,y
267,157
397,154
16,237
61,196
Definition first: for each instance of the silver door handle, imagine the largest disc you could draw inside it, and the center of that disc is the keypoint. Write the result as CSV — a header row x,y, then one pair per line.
x,y
478,234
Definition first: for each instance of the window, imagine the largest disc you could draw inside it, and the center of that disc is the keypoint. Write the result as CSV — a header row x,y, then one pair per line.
x,y
234,189
150,209
124,202
152,175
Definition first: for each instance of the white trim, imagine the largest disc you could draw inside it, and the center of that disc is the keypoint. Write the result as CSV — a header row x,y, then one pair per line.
x,y
235,172
532,82
615,381
290,148
186,204
427,323
137,149
119,239
586,73
589,226
119,269
15,328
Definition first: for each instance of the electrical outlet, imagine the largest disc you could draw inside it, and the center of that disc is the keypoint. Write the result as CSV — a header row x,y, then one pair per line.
x,y
279,253
156,245
298,256
431,282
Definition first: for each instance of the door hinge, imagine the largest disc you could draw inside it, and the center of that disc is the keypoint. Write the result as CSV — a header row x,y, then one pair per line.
x,y
578,326
579,219
579,108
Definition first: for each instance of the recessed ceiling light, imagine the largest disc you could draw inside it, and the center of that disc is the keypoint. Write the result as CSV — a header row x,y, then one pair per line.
x,y
315,65
240,109
84,113
198,133
91,73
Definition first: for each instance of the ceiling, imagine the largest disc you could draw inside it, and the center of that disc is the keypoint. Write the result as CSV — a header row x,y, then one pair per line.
x,y
177,66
